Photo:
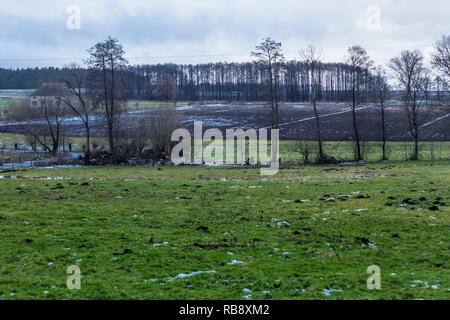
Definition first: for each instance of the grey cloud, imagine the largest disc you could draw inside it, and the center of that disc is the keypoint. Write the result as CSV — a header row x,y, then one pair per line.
x,y
214,27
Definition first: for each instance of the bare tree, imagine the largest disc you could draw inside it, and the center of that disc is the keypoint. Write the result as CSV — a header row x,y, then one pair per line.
x,y
133,136
107,64
271,59
140,136
163,122
306,148
382,95
312,57
44,116
411,73
359,63
440,58
77,101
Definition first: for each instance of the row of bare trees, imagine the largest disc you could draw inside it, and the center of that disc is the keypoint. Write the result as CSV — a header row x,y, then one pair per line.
x,y
102,90
413,80
98,92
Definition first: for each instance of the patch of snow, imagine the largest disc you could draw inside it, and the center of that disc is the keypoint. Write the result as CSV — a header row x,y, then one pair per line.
x,y
435,286
188,275
160,244
328,292
370,245
351,163
283,223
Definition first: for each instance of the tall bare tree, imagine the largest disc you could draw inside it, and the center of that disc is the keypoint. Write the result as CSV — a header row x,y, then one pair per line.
x,y
44,115
163,122
410,71
271,59
312,57
77,101
440,58
107,64
359,63
382,95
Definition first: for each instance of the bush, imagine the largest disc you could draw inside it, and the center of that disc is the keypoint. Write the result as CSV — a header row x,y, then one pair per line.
x,y
306,149
162,123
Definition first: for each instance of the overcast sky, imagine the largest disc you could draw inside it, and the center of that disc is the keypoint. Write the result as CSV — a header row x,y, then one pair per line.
x,y
36,32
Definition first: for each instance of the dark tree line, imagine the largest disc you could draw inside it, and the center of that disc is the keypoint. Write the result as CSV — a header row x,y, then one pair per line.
x,y
212,81
28,78
243,81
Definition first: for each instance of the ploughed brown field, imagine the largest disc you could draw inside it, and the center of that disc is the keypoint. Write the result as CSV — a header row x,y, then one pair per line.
x,y
296,120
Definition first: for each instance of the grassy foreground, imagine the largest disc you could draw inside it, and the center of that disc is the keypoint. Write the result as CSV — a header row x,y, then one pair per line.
x,y
141,232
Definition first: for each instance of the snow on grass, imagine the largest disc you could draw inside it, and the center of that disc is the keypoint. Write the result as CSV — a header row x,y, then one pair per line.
x,y
188,275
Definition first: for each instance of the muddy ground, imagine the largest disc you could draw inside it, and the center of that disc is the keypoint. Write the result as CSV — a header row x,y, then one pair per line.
x,y
296,121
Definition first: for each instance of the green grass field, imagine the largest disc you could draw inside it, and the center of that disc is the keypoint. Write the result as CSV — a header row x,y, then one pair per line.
x,y
147,104
140,232
290,150
4,104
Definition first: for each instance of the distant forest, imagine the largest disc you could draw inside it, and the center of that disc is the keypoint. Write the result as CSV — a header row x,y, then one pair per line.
x,y
213,81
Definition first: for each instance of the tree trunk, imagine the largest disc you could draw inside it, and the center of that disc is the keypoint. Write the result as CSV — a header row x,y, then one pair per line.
x,y
355,127
87,154
383,126
316,114
112,108
416,147
271,95
415,125
111,139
